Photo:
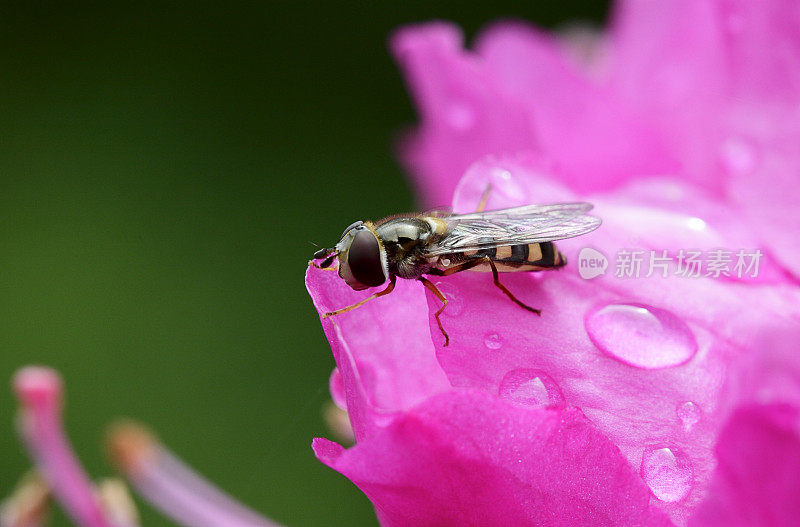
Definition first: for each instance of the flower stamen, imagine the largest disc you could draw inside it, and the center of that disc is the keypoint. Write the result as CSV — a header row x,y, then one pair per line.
x,y
167,483
28,505
39,392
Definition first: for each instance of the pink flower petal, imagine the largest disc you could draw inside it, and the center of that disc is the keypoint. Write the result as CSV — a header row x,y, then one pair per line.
x,y
763,45
758,452
632,382
382,349
464,113
669,65
721,80
644,358
756,481
468,458
594,140
766,186
769,377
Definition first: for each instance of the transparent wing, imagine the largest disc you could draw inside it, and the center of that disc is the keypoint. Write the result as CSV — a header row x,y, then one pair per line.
x,y
516,226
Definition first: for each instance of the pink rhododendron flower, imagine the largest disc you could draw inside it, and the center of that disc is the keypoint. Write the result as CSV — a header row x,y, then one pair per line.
x,y
649,398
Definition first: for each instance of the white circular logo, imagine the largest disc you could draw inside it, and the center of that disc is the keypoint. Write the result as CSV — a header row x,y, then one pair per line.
x,y
591,263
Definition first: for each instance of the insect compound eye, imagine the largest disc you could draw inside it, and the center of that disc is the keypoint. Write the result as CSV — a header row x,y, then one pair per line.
x,y
364,260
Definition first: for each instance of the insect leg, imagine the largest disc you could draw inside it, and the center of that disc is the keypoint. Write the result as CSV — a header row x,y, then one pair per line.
x,y
435,290
469,264
386,291
508,293
484,198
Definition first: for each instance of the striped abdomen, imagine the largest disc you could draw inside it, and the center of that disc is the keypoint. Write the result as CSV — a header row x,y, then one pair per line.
x,y
528,257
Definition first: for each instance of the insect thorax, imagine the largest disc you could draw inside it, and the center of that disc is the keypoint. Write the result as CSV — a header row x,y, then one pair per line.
x,y
402,239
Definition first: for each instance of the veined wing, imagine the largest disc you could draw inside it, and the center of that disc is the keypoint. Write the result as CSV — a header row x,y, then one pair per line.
x,y
515,226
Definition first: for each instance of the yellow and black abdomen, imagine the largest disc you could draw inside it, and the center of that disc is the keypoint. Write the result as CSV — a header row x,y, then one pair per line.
x,y
527,257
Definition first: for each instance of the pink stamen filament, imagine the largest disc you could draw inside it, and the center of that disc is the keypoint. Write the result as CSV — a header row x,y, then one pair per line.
x,y
40,425
171,486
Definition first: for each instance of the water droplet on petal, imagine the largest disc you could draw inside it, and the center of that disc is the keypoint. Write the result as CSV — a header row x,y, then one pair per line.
x,y
505,188
493,341
696,224
460,117
531,388
455,304
738,155
640,335
504,185
667,473
689,414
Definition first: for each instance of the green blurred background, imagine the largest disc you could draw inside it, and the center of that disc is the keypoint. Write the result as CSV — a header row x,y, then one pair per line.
x,y
163,168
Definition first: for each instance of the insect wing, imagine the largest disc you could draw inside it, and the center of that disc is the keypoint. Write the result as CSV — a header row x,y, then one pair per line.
x,y
515,226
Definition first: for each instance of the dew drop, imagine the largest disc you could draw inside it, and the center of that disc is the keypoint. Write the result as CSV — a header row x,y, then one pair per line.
x,y
667,473
493,341
531,388
640,335
689,414
455,304
738,155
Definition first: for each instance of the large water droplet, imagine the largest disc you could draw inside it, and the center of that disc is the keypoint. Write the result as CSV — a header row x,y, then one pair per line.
x,y
493,341
505,189
640,335
689,414
667,473
455,304
530,388
738,155
504,185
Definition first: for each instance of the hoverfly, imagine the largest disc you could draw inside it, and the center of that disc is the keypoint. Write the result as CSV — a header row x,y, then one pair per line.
x,y
440,244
